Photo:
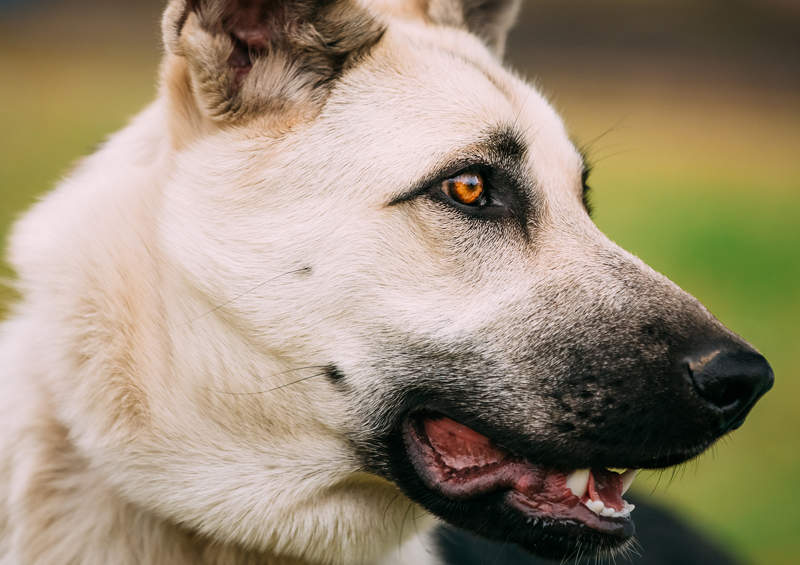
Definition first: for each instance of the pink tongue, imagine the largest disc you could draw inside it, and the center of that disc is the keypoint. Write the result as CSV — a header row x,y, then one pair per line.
x,y
606,486
481,466
459,446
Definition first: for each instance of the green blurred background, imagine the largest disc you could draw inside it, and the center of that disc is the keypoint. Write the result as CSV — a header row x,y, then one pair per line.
x,y
690,111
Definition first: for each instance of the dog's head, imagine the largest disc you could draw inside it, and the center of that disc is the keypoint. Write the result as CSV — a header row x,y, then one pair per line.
x,y
377,272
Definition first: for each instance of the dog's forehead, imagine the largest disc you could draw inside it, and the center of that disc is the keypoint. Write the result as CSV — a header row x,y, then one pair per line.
x,y
425,96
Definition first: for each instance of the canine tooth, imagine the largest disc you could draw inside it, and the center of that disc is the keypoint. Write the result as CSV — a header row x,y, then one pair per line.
x,y
627,479
578,481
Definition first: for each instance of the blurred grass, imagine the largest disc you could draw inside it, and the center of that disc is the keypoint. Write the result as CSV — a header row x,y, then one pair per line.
x,y
698,179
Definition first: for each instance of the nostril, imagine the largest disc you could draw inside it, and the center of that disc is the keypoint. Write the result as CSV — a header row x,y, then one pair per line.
x,y
731,393
730,382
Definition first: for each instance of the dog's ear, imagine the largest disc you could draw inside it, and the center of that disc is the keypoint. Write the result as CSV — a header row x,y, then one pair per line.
x,y
248,57
490,20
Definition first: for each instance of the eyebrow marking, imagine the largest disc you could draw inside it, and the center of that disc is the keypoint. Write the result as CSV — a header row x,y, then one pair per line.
x,y
501,148
501,155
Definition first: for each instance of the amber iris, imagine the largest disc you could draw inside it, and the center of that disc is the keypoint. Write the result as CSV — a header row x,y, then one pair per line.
x,y
465,189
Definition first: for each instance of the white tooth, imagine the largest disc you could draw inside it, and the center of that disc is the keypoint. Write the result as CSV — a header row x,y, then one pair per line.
x,y
601,509
578,481
595,506
627,479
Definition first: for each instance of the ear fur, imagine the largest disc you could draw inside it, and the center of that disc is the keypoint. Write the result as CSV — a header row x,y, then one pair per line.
x,y
490,20
249,57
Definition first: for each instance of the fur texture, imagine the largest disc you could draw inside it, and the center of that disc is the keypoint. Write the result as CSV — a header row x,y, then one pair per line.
x,y
192,289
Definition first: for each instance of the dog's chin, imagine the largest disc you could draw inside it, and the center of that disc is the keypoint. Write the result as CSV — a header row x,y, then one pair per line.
x,y
466,479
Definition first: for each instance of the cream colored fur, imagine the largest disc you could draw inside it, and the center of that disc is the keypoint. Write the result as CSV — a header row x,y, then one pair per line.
x,y
164,295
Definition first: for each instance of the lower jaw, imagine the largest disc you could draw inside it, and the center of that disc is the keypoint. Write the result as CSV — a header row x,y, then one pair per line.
x,y
577,519
543,535
565,539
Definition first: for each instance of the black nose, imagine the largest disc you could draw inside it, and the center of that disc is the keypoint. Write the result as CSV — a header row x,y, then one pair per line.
x,y
730,382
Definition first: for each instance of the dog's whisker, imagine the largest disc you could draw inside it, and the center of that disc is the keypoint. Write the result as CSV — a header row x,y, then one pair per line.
x,y
629,550
414,519
499,553
636,547
245,293
588,146
403,523
574,554
599,158
257,392
278,136
386,510
672,475
522,107
659,473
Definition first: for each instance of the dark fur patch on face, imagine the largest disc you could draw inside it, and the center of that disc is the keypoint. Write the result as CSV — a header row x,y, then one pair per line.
x,y
334,374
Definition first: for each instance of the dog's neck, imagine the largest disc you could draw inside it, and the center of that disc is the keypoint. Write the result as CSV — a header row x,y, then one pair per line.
x,y
62,483
123,343
65,475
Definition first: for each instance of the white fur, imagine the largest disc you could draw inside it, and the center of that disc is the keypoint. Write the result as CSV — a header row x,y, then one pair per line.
x,y
163,295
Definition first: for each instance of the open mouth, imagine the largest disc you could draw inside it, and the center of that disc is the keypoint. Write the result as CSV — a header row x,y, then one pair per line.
x,y
461,464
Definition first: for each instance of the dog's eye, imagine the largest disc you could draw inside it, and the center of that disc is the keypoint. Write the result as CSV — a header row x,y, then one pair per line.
x,y
479,192
466,189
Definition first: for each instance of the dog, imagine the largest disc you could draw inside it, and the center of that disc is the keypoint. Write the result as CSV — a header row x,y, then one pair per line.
x,y
337,283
